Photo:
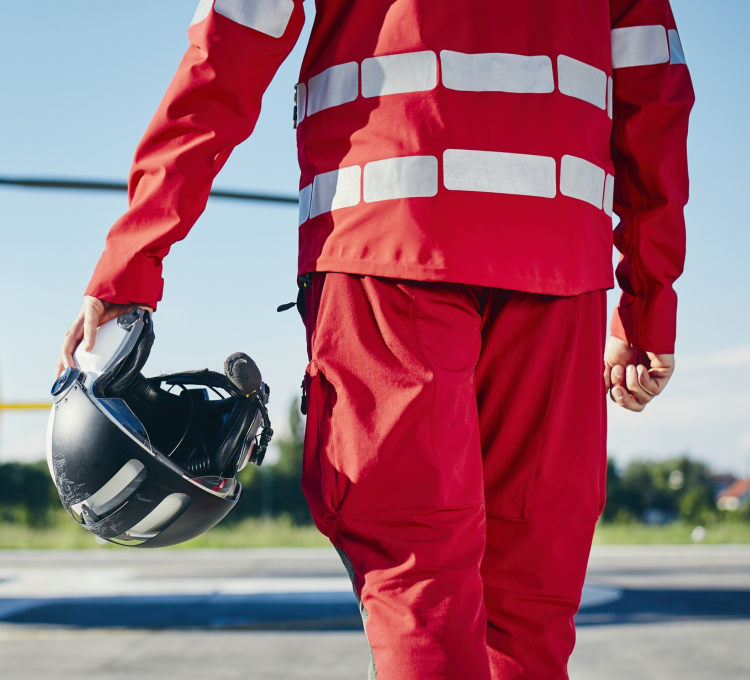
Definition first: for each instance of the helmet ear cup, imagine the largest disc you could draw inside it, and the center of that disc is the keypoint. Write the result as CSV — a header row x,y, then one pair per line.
x,y
119,381
243,373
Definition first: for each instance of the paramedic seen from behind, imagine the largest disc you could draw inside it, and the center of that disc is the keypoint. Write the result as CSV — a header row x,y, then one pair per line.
x,y
460,165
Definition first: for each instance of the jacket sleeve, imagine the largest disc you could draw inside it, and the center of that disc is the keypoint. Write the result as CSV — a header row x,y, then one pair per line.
x,y
212,104
651,102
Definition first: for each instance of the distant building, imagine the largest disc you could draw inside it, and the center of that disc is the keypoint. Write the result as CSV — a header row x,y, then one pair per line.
x,y
721,481
734,496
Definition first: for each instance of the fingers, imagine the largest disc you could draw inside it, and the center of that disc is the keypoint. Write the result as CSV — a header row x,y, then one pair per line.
x,y
80,329
634,377
90,325
623,398
626,390
93,314
654,379
72,337
618,374
633,387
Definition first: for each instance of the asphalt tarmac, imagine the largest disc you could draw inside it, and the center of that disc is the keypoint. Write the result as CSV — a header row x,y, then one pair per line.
x,y
647,613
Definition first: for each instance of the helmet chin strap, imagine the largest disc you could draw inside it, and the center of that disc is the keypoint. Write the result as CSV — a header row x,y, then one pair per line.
x,y
265,436
243,384
187,429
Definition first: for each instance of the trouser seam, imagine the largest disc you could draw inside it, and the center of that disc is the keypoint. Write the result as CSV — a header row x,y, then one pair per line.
x,y
433,385
543,439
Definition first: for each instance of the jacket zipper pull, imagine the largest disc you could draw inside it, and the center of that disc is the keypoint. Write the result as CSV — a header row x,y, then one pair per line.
x,y
304,282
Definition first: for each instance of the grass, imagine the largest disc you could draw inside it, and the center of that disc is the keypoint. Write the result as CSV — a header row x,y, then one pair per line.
x,y
63,533
669,534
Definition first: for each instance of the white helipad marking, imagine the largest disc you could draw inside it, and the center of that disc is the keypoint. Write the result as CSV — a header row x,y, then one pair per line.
x,y
68,583
21,590
595,596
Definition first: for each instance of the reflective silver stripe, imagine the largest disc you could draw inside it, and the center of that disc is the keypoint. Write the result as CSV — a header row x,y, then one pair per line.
x,y
639,46
609,194
582,81
398,73
499,173
304,203
406,177
337,189
126,481
496,72
336,85
266,16
204,9
301,102
159,518
582,180
676,55
610,95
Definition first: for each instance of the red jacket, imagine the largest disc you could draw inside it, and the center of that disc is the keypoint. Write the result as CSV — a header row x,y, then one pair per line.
x,y
476,142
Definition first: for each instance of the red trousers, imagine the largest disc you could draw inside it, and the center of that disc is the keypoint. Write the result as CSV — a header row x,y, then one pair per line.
x,y
455,456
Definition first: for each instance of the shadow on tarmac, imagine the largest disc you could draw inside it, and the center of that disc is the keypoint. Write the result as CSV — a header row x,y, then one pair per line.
x,y
655,606
333,611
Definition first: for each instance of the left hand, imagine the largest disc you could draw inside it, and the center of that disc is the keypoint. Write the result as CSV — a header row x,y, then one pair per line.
x,y
634,377
93,314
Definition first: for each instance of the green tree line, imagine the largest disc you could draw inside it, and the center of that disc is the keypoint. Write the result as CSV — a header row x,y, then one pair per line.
x,y
680,488
28,495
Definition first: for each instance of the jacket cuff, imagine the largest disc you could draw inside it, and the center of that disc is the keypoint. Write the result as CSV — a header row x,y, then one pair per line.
x,y
649,324
139,282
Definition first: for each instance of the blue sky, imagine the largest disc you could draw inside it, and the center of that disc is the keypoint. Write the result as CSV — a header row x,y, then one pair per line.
x,y
79,85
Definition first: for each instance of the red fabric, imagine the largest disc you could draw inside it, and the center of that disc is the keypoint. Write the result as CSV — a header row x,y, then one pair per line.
x,y
211,106
558,245
455,451
652,105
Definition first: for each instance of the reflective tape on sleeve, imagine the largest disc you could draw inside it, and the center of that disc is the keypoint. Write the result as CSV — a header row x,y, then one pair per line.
x,y
408,177
337,189
582,81
610,96
609,194
582,180
301,102
399,73
676,55
496,72
499,173
265,16
305,194
204,9
639,46
334,86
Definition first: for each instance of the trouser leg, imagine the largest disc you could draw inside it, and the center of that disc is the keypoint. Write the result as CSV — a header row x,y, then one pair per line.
x,y
393,470
541,402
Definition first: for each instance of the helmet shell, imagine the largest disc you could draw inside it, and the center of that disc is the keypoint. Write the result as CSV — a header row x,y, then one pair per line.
x,y
109,476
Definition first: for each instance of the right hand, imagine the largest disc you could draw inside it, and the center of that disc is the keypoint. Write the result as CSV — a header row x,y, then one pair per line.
x,y
634,377
93,314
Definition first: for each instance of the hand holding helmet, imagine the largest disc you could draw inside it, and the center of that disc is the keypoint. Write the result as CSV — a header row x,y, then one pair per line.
x,y
152,461
94,313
